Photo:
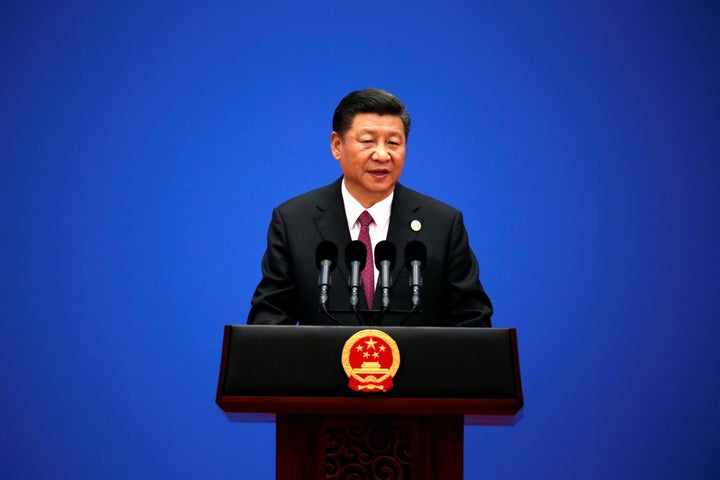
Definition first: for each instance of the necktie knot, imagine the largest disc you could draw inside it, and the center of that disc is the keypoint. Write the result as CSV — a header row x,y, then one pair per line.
x,y
365,219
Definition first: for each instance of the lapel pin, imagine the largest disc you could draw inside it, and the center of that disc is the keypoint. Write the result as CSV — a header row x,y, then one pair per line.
x,y
415,225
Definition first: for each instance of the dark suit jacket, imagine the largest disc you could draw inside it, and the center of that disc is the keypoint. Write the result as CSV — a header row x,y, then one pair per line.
x,y
288,292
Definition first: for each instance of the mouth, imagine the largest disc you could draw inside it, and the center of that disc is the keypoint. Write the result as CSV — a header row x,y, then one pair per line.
x,y
379,172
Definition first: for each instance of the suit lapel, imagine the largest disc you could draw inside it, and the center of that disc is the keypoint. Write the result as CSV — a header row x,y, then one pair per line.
x,y
331,222
404,210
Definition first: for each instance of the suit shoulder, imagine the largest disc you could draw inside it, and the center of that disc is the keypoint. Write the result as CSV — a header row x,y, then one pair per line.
x,y
414,199
310,199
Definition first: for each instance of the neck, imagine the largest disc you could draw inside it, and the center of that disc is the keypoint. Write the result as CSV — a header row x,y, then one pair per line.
x,y
368,200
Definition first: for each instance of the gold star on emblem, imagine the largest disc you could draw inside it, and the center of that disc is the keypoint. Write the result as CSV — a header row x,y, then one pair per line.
x,y
371,343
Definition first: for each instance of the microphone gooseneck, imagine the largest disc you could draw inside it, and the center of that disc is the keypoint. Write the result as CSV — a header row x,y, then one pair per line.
x,y
355,259
325,258
385,261
385,256
415,260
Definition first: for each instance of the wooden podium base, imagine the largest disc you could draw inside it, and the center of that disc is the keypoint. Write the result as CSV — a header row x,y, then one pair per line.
x,y
336,447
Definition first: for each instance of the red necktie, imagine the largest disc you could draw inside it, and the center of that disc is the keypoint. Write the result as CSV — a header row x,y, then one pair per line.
x,y
368,273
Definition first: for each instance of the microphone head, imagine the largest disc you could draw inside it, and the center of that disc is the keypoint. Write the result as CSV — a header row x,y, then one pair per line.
x,y
355,252
385,251
415,251
326,250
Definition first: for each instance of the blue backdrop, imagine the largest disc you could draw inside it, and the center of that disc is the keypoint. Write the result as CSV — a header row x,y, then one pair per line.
x,y
144,144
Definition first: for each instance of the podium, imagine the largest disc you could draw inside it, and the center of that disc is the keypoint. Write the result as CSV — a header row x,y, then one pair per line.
x,y
447,378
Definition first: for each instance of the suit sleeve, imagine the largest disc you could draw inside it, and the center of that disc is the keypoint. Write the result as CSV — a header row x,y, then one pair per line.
x,y
275,299
469,304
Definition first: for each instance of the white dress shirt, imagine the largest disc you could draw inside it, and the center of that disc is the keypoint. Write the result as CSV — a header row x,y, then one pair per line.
x,y
380,213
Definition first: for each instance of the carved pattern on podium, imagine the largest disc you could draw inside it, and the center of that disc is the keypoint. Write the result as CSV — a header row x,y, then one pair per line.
x,y
367,451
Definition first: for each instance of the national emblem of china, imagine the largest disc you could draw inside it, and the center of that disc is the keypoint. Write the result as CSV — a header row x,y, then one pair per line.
x,y
370,359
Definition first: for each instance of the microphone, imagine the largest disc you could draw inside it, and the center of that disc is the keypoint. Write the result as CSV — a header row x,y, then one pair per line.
x,y
325,258
415,259
355,259
385,261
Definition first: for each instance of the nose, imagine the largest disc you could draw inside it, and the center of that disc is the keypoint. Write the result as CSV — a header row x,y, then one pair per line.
x,y
381,154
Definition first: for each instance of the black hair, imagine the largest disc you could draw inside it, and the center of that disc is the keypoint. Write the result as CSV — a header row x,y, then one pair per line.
x,y
369,100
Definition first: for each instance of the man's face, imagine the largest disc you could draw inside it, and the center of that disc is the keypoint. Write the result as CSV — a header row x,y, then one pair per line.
x,y
371,156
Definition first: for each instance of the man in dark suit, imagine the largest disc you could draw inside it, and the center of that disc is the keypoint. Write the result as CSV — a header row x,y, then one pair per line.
x,y
370,130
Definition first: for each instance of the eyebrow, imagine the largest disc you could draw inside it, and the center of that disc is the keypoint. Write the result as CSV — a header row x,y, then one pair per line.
x,y
369,130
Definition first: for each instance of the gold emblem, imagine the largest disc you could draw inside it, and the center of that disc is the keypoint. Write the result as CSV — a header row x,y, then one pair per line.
x,y
370,359
415,225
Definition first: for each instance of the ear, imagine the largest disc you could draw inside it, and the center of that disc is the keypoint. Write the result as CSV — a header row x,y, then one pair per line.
x,y
336,144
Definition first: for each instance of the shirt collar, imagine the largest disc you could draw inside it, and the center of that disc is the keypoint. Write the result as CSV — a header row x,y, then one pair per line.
x,y
380,211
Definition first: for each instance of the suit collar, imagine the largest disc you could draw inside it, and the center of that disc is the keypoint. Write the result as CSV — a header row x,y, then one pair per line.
x,y
331,219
